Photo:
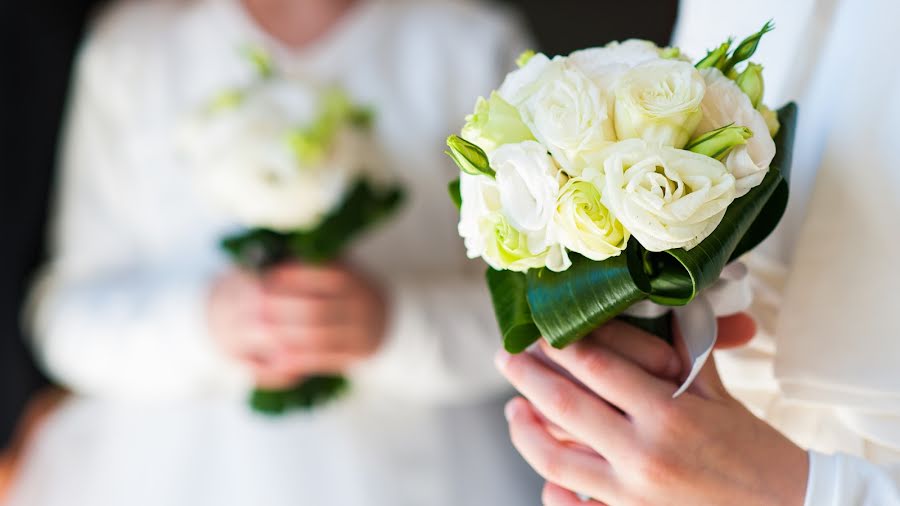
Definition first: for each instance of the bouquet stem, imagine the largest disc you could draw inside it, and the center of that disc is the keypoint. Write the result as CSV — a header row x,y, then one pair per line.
x,y
307,394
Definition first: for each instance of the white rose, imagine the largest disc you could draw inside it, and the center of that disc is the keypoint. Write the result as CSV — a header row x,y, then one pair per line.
x,y
604,65
666,197
567,112
583,222
725,103
528,181
488,233
659,101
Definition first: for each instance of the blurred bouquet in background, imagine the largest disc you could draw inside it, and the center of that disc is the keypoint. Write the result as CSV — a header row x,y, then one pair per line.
x,y
295,165
619,182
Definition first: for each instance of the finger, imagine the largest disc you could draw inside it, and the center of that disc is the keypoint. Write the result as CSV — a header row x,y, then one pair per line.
x,y
326,338
554,495
612,377
306,309
566,404
562,435
735,330
649,352
295,278
571,468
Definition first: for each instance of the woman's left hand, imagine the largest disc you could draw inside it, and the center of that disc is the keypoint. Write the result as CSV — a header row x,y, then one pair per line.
x,y
628,442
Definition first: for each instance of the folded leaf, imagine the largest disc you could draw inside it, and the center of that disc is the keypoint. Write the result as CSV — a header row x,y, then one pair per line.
x,y
509,293
568,305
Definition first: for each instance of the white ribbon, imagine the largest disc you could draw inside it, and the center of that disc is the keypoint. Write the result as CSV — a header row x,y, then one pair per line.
x,y
729,295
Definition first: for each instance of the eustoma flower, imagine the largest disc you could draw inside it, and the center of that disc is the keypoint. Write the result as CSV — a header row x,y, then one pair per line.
x,y
659,101
667,198
567,112
725,103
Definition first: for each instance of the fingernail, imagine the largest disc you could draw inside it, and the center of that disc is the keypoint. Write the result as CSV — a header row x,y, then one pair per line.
x,y
501,359
510,409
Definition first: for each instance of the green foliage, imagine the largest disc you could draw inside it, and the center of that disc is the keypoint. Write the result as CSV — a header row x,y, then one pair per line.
x,y
312,392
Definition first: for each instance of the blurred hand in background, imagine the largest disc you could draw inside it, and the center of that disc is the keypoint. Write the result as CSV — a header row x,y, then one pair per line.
x,y
297,320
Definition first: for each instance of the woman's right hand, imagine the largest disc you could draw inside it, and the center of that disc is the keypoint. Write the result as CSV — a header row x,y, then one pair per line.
x,y
296,320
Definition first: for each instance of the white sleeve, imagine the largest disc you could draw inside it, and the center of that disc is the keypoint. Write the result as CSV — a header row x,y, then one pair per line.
x,y
110,316
843,480
440,343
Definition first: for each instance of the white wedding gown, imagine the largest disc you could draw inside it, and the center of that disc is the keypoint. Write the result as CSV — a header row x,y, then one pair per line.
x,y
825,369
160,416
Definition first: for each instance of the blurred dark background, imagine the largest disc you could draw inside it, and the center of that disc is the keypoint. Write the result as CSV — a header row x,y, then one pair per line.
x,y
562,26
39,40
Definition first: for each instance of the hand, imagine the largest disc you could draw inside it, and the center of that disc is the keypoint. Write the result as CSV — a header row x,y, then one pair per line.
x,y
296,320
630,443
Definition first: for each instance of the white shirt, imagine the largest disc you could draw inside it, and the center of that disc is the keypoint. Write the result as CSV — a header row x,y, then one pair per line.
x,y
824,367
119,315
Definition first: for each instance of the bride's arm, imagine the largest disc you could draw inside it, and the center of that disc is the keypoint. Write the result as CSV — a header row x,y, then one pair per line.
x,y
111,316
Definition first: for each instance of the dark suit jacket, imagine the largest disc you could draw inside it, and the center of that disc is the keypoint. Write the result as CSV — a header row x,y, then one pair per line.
x,y
38,41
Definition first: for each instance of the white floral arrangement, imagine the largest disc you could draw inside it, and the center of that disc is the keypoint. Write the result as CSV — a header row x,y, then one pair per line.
x,y
615,175
293,164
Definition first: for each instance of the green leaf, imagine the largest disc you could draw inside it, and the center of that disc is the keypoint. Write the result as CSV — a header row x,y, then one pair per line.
x,y
508,291
771,214
455,193
568,305
311,392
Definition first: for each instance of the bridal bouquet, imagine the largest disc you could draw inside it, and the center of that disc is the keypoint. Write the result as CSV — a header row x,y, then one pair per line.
x,y
619,181
291,163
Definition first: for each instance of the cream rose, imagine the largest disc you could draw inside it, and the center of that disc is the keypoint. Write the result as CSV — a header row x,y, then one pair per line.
x,y
604,65
659,101
725,103
567,112
584,224
666,197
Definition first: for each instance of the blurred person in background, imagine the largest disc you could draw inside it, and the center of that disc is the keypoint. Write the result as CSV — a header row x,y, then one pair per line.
x,y
138,309
40,40
822,369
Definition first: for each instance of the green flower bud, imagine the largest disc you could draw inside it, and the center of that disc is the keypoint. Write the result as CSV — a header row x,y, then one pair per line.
x,y
747,47
751,82
523,58
495,122
715,58
470,158
719,142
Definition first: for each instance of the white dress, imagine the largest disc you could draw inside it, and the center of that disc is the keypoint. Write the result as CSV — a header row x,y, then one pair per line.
x,y
161,417
824,368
